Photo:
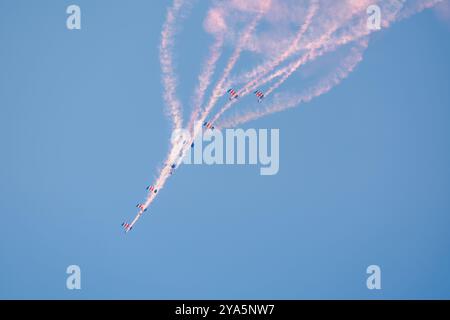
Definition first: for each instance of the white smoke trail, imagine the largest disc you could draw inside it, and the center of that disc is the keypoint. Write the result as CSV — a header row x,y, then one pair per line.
x,y
169,79
205,78
174,153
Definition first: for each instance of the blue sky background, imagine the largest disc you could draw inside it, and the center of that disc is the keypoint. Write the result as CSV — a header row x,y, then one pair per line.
x,y
364,175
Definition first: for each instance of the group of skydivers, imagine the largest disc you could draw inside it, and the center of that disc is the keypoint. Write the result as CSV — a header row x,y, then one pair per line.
x,y
208,125
234,95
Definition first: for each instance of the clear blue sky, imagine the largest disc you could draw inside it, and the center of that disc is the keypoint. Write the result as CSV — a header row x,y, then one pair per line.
x,y
364,170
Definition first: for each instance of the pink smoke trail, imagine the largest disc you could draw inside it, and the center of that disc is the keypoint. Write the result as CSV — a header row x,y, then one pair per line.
x,y
313,8
361,32
262,81
423,5
218,90
311,49
325,85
